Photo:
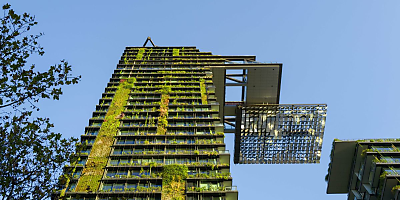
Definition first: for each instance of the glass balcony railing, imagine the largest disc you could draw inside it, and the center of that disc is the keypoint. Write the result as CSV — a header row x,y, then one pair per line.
x,y
211,188
231,188
244,62
387,160
385,149
92,133
393,171
85,152
223,151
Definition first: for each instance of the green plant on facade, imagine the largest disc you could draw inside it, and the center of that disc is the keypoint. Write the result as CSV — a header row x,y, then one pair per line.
x,y
98,157
220,175
162,119
382,178
140,53
203,189
173,185
183,49
125,60
393,149
165,110
397,187
203,91
175,52
66,178
149,54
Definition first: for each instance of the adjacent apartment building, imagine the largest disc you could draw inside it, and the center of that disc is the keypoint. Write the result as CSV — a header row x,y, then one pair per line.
x,y
365,169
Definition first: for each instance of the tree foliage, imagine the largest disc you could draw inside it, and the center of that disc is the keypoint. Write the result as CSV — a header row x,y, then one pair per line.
x,y
31,155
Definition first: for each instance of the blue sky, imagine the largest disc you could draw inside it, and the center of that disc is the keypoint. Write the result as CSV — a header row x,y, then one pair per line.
x,y
343,53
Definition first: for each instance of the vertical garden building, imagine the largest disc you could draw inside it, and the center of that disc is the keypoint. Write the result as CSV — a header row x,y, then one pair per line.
x,y
156,132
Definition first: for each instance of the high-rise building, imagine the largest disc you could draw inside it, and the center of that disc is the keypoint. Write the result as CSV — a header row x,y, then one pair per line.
x,y
365,169
158,109
158,130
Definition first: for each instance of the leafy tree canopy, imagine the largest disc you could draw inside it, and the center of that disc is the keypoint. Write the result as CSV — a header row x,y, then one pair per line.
x,y
31,155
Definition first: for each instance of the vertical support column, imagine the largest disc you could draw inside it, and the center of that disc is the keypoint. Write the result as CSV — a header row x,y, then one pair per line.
x,y
238,134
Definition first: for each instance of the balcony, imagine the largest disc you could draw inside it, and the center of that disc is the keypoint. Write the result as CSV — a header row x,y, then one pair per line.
x,y
212,189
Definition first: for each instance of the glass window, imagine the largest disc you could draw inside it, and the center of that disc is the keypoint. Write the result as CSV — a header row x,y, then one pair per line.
x,y
129,141
91,141
117,151
131,186
169,161
77,174
82,161
382,149
111,174
113,162
146,161
71,187
124,161
393,171
136,161
118,187
92,133
390,159
180,161
120,141
107,187
135,173
127,151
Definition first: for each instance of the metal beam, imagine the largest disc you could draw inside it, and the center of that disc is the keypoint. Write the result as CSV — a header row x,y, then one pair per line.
x,y
234,79
232,124
235,84
147,40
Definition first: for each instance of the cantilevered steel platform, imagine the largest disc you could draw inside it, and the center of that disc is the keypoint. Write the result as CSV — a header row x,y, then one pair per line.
x,y
266,132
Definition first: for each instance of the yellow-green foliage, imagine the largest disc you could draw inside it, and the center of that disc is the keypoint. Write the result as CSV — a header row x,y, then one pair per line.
x,y
67,177
97,160
175,52
62,193
182,54
139,55
173,186
126,58
397,187
163,118
88,183
203,91
149,54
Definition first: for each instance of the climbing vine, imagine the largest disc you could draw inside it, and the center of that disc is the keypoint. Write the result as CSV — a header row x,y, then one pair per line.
x,y
173,185
183,49
126,59
203,91
140,53
162,119
66,178
97,160
175,52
